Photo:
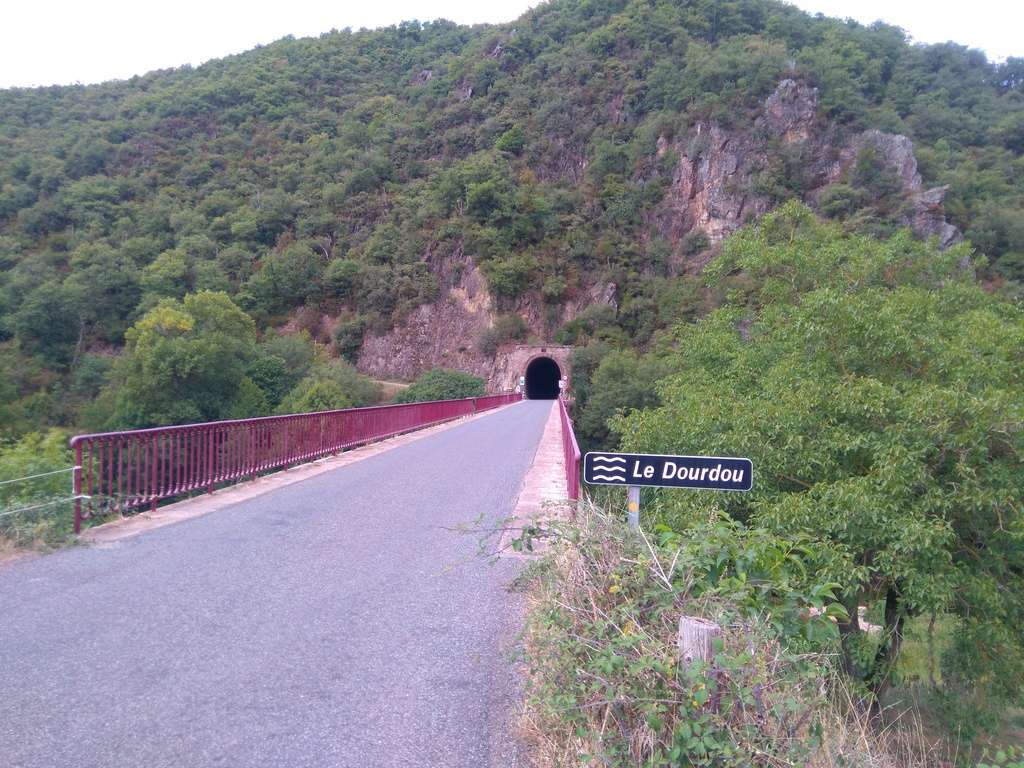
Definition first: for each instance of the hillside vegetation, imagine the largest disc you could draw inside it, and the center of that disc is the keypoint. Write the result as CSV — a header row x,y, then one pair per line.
x,y
327,177
764,233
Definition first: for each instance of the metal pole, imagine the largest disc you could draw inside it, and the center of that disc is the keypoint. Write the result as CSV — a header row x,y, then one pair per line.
x,y
633,506
76,487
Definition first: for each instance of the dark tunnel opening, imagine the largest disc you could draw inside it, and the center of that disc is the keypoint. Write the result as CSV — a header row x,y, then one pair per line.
x,y
542,376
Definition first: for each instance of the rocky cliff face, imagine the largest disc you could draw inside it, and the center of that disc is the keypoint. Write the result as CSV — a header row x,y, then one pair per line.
x,y
717,186
441,334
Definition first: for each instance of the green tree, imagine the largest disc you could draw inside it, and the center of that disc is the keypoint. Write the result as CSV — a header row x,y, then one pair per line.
x,y
512,141
285,279
878,390
47,324
270,373
442,384
348,337
184,361
341,278
623,381
249,401
312,394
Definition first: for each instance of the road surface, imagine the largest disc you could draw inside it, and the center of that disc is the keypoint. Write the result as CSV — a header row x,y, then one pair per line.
x,y
334,622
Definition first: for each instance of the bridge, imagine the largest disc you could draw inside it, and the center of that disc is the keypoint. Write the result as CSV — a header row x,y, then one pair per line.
x,y
332,614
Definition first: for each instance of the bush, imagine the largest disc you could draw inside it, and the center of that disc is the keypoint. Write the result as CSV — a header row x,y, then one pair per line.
x,y
330,385
312,394
348,337
512,141
442,384
878,390
341,278
623,381
250,401
598,321
510,277
506,328
695,242
33,454
605,679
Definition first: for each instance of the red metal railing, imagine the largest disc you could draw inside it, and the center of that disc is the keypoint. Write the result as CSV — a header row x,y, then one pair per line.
x,y
122,471
571,452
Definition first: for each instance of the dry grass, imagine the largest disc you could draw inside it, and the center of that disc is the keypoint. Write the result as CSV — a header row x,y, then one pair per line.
x,y
769,704
388,389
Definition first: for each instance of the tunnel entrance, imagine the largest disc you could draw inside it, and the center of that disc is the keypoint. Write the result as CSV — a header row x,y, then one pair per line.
x,y
542,376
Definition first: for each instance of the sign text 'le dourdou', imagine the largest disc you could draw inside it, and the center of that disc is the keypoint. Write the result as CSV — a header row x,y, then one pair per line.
x,y
722,473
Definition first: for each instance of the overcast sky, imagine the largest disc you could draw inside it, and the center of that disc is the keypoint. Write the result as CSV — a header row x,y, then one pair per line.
x,y
44,42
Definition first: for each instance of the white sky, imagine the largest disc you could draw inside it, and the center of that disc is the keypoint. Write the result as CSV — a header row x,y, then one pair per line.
x,y
46,41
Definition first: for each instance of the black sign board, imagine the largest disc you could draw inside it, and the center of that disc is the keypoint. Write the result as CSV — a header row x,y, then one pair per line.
x,y
717,473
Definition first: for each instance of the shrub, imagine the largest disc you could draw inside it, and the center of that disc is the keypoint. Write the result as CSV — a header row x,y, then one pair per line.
x,y
605,681
442,384
509,277
249,401
341,278
513,140
695,242
46,519
506,328
311,395
348,337
878,390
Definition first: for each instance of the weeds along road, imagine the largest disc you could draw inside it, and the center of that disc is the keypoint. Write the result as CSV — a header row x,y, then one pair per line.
x,y
334,622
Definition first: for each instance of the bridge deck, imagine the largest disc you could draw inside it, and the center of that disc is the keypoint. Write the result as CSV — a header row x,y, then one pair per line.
x,y
334,622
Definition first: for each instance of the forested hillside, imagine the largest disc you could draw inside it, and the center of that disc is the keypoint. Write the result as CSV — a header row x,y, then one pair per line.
x,y
336,184
764,233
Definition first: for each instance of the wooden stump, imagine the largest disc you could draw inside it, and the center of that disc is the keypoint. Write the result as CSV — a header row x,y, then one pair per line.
x,y
696,640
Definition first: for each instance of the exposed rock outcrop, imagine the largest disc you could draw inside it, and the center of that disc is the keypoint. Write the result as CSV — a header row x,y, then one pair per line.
x,y
927,216
790,111
710,187
717,185
441,334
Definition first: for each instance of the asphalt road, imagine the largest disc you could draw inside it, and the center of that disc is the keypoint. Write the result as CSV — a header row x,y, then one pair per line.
x,y
334,622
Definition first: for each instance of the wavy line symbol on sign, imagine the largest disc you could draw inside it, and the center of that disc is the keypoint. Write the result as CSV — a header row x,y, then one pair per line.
x,y
609,468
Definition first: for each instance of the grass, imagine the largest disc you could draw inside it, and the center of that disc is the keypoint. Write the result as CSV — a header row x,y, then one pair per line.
x,y
388,389
606,687
45,528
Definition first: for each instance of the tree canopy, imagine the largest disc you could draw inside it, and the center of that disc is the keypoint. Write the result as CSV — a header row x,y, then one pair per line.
x,y
879,391
343,176
441,384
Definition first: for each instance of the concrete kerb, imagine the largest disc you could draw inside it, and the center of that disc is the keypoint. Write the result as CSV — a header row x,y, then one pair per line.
x,y
542,496
187,509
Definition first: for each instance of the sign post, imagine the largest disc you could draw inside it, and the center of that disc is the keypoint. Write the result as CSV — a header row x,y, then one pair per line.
x,y
633,470
633,506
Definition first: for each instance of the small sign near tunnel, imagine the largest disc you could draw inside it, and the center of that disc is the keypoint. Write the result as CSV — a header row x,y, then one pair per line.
x,y
713,473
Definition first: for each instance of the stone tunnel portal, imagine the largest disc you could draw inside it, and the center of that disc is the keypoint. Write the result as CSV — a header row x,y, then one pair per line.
x,y
542,377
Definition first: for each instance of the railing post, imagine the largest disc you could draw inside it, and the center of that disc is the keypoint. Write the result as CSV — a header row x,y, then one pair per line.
x,y
154,454
209,460
76,487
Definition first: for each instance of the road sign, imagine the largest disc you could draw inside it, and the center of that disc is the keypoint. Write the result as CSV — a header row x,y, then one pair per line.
x,y
718,473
